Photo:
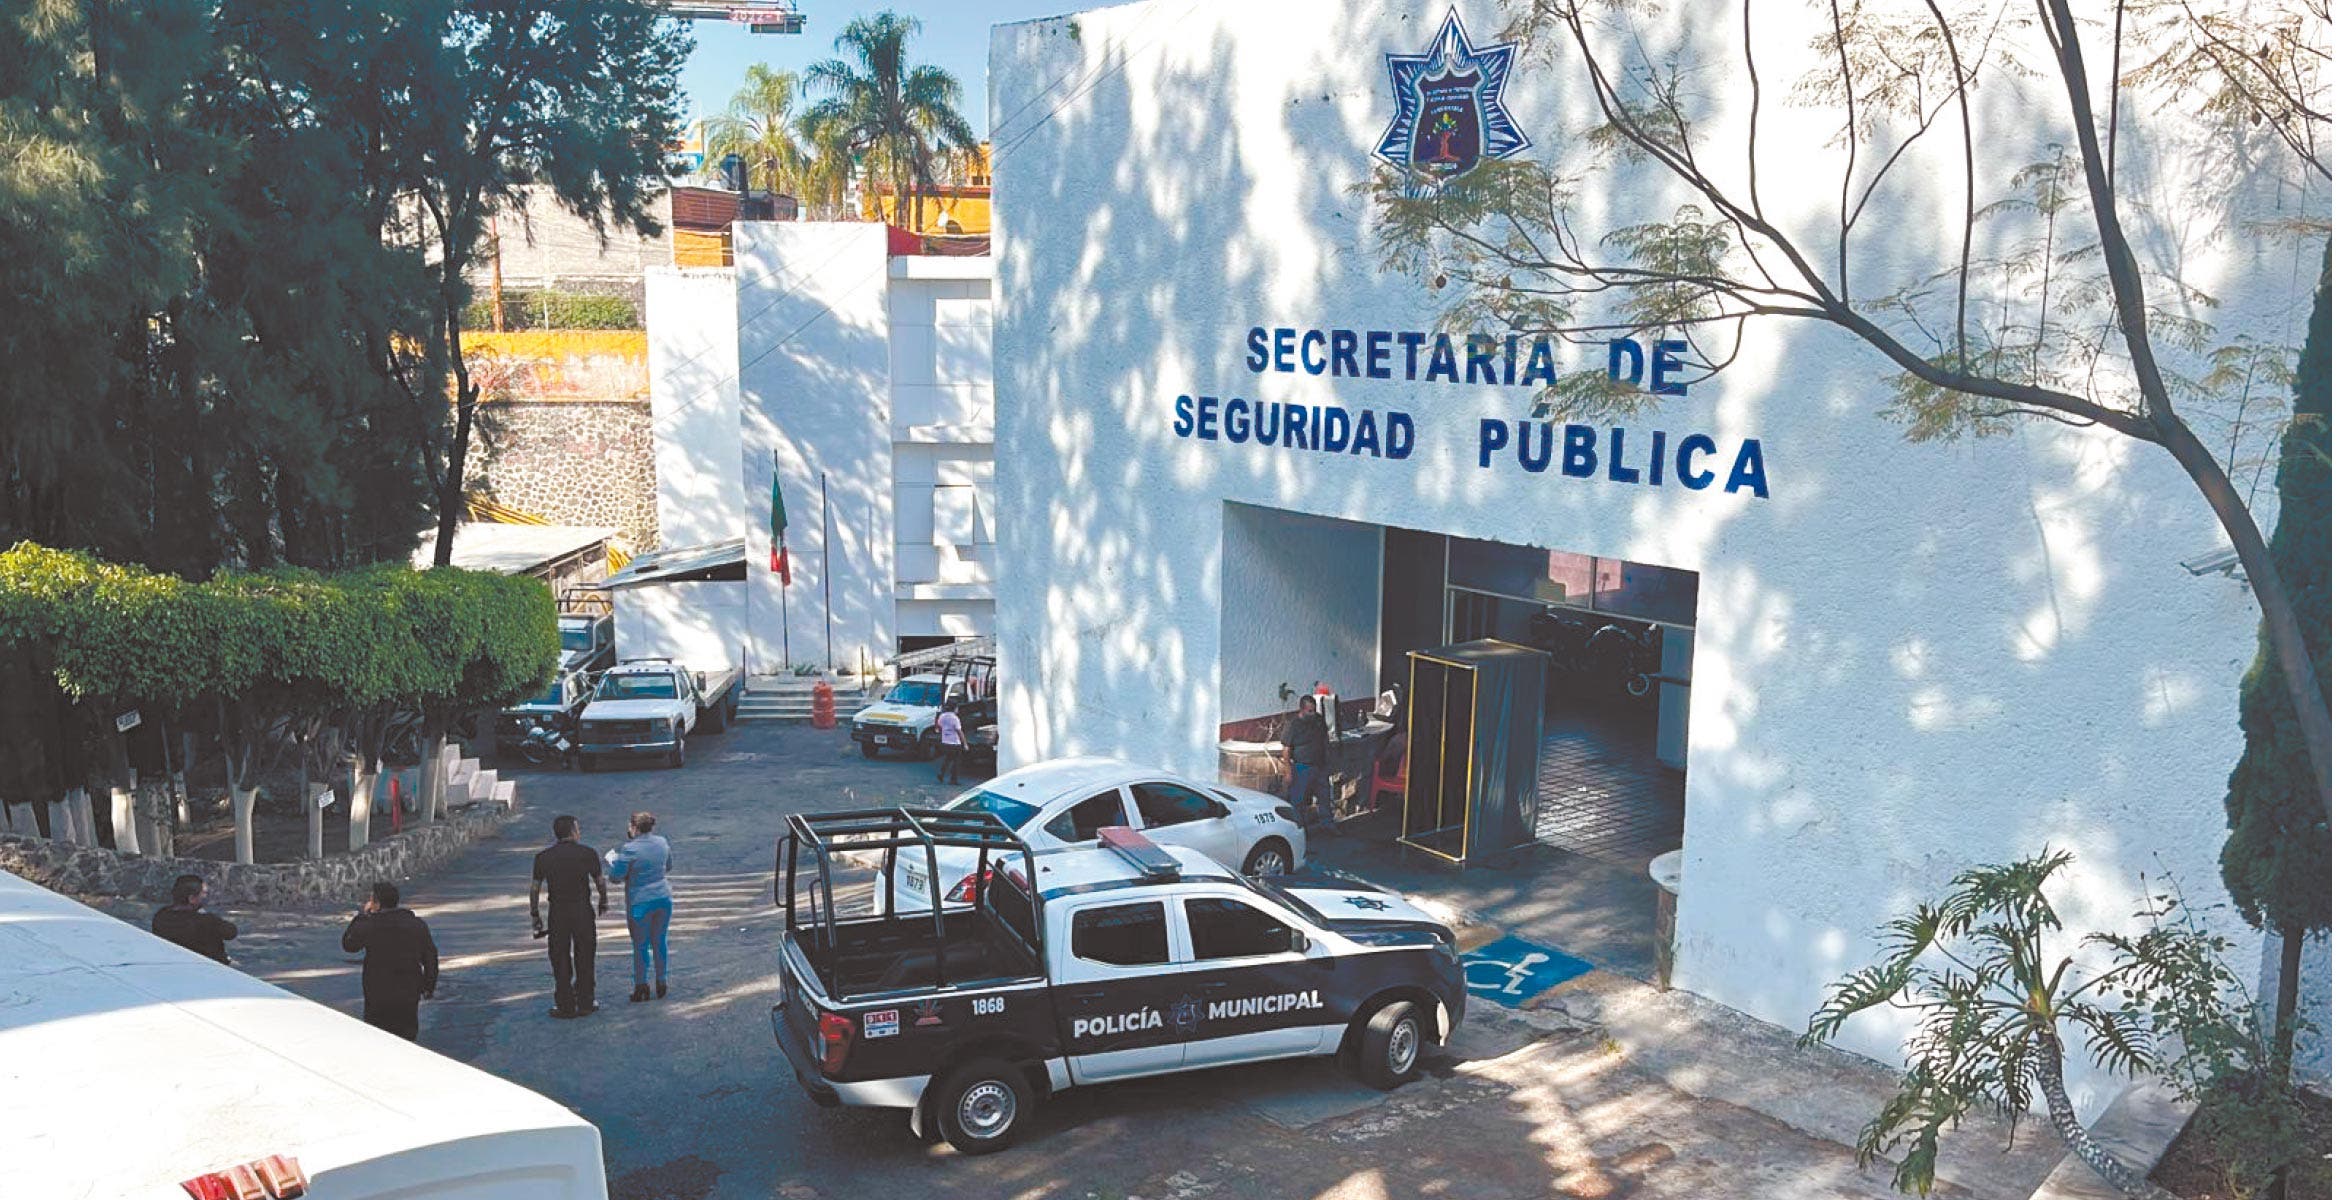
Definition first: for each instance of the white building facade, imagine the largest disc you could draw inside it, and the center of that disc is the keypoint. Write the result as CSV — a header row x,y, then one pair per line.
x,y
862,378
1909,658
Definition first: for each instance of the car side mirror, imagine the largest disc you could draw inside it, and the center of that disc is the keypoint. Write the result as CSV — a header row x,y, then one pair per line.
x,y
1300,942
1218,810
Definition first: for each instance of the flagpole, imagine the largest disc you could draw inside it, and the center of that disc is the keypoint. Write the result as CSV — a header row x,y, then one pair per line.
x,y
828,618
787,658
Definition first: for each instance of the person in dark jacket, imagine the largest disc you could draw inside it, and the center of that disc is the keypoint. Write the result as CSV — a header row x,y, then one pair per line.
x,y
1306,741
184,923
402,963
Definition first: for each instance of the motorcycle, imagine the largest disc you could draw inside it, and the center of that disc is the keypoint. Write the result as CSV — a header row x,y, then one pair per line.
x,y
545,744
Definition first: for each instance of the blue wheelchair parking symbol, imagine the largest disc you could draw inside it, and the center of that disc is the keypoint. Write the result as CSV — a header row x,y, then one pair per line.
x,y
1511,970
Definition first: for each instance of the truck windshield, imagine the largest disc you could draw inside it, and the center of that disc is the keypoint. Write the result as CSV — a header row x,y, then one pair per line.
x,y
576,637
551,696
1011,812
916,694
636,687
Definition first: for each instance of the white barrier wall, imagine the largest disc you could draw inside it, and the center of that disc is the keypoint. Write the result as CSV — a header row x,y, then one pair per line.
x,y
701,624
1911,658
693,318
875,372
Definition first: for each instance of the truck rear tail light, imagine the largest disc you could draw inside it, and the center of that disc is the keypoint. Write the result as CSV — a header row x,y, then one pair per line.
x,y
836,1036
276,1177
963,892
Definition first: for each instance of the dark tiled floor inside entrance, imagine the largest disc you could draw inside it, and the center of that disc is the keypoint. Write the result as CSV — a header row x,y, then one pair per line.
x,y
1603,794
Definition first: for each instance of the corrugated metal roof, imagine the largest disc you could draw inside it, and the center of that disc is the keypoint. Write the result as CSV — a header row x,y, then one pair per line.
x,y
512,549
680,560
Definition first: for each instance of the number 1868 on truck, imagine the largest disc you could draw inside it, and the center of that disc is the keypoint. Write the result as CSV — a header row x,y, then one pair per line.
x,y
1082,967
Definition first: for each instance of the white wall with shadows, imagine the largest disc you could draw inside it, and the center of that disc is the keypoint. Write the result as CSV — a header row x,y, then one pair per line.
x,y
1911,658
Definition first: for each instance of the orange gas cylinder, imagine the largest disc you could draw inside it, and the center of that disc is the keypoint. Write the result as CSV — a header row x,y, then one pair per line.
x,y
824,706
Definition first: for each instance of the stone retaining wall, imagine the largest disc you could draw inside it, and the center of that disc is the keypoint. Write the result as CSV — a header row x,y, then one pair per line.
x,y
573,462
341,878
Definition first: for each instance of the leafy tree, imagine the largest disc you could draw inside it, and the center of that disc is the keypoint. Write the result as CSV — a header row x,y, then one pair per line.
x,y
765,127
1993,1006
578,96
893,118
2037,307
2277,861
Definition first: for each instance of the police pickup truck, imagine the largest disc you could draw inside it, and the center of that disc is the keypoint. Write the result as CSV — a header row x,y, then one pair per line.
x,y
1081,967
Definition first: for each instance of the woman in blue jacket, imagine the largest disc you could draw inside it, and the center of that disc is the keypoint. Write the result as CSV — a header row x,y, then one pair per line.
x,y
641,864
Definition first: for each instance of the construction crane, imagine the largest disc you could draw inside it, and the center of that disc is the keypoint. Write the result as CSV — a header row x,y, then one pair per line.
x,y
760,16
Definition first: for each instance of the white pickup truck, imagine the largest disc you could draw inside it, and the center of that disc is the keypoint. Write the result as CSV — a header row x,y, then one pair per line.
x,y
137,1070
650,706
904,719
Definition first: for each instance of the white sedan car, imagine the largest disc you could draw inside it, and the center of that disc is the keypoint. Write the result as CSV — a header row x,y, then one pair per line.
x,y
1062,804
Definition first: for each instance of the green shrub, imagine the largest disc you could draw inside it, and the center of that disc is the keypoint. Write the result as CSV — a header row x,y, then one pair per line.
x,y
555,310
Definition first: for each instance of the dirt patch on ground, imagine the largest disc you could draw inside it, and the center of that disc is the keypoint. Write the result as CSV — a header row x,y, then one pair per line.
x,y
2194,1170
687,1178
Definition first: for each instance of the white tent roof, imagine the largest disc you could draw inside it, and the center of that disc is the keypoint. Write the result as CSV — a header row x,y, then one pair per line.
x,y
513,549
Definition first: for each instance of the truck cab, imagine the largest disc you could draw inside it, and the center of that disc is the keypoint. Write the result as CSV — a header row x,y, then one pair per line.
x,y
904,718
649,706
557,706
1085,967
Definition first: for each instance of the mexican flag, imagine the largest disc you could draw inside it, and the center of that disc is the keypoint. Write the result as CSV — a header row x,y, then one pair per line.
x,y
779,526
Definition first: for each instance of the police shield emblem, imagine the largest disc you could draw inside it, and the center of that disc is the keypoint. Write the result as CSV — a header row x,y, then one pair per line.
x,y
1450,115
1447,136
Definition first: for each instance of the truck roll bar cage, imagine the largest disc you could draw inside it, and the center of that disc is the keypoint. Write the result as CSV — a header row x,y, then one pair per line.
x,y
892,830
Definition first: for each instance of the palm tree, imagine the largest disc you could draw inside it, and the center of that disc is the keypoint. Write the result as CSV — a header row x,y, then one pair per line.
x,y
890,117
763,128
1993,1006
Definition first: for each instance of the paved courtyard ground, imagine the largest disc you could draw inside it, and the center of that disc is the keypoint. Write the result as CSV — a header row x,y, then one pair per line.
x,y
1606,1089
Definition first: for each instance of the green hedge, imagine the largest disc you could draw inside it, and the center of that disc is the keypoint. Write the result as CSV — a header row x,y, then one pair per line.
x,y
444,640
556,310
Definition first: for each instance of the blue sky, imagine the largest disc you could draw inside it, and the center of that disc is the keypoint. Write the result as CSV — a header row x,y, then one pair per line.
x,y
956,37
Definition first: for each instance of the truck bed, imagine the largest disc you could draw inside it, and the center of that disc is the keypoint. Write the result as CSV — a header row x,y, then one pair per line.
x,y
883,955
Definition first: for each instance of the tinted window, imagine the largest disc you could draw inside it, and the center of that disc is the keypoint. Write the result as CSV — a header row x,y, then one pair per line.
x,y
1122,935
1233,929
916,695
1012,812
1081,822
1162,804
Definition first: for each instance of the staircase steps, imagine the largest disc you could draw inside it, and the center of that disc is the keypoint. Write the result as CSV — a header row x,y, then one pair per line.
x,y
790,698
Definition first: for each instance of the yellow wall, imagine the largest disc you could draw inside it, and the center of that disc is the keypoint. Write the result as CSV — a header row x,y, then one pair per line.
x,y
944,205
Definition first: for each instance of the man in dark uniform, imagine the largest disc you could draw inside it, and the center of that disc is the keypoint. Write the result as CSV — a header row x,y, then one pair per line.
x,y
567,868
1306,741
402,963
184,923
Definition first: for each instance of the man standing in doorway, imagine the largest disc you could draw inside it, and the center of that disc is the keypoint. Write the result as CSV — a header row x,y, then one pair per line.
x,y
954,744
402,963
1305,744
567,869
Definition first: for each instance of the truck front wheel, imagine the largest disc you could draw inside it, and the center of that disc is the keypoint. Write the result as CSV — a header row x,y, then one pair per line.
x,y
1389,1048
983,1106
869,749
674,757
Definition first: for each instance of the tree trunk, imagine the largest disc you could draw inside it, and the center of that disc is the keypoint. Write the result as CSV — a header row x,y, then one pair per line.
x,y
312,807
2258,565
243,801
124,815
434,780
361,777
2048,1069
81,816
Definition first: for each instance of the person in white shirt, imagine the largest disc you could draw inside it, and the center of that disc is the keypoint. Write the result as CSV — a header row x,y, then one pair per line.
x,y
954,744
